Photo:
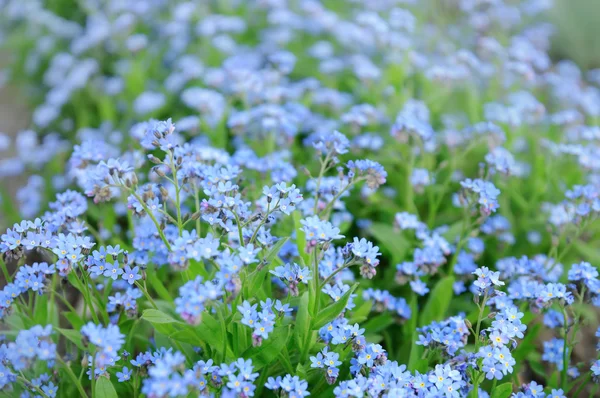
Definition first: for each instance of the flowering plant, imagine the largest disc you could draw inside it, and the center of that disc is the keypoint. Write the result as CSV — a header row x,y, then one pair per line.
x,y
352,201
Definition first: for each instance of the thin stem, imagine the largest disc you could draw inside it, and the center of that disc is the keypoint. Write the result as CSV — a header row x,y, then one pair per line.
x,y
408,188
73,377
197,203
177,193
316,279
321,173
563,379
7,276
584,383
337,196
86,297
145,292
65,301
29,385
338,270
239,226
147,210
262,221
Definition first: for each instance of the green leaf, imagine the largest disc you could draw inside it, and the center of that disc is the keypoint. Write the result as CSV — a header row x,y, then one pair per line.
x,y
390,240
502,391
74,319
302,329
439,301
362,312
378,323
40,314
276,249
588,251
454,231
415,362
409,333
158,317
73,336
162,322
300,238
105,389
331,312
158,286
270,348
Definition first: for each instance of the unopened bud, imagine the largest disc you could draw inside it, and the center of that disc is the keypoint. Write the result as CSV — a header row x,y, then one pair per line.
x,y
154,159
164,193
159,171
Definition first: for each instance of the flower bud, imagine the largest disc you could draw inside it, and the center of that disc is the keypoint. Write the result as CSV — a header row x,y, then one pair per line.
x,y
154,159
159,171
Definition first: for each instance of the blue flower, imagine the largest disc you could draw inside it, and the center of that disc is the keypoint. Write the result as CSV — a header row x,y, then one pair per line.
x,y
131,274
124,375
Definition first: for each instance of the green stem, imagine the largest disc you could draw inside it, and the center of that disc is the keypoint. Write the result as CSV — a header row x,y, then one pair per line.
x,y
7,276
197,203
73,377
145,292
177,194
408,188
321,173
151,215
27,384
563,382
316,279
583,384
239,225
86,297
336,197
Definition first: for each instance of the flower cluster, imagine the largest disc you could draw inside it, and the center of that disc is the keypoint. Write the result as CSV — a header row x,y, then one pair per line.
x,y
30,346
107,341
331,198
262,322
485,193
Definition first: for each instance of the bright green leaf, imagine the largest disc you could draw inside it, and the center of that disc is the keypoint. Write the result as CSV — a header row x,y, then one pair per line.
x,y
72,335
270,348
331,312
502,391
300,238
157,317
105,389
439,300
390,240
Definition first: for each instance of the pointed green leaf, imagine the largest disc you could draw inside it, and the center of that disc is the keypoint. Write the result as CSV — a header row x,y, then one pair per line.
x,y
300,238
105,389
73,336
270,348
157,317
502,391
438,302
302,327
331,312
390,240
